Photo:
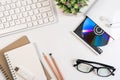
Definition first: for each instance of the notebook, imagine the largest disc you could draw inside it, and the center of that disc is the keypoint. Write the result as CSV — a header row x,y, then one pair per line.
x,y
19,42
27,57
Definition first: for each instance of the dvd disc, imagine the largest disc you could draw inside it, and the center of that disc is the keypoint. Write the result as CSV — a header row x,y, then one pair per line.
x,y
93,34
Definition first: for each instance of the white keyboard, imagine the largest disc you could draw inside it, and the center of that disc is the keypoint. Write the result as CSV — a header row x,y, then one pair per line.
x,y
19,15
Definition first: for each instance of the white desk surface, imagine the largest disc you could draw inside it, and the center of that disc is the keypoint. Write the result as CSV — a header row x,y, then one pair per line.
x,y
57,39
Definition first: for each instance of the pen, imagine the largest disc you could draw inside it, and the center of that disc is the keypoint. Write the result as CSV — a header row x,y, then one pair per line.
x,y
53,70
55,64
25,74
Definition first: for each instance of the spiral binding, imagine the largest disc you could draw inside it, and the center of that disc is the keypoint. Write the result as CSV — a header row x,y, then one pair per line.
x,y
4,73
10,66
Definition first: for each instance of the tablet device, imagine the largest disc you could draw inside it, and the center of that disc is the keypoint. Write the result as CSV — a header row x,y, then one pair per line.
x,y
92,35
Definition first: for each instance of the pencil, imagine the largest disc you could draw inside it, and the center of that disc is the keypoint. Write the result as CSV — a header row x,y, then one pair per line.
x,y
53,70
46,72
55,64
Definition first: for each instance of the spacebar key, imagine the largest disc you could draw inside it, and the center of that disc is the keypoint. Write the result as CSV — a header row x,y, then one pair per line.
x,y
13,29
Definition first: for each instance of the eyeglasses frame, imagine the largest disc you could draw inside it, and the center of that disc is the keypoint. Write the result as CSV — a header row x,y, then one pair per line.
x,y
78,61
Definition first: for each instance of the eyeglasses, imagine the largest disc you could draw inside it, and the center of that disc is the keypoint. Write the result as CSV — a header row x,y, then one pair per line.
x,y
87,66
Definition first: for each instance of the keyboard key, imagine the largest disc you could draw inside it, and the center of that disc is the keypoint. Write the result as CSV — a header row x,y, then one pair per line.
x,y
13,6
51,19
36,11
14,0
44,15
6,25
25,14
3,2
22,9
45,3
34,18
12,23
39,16
29,2
35,1
50,13
44,9
28,19
40,21
40,0
30,13
22,20
33,6
46,20
1,14
14,17
18,4
3,20
1,26
35,23
9,18
17,10
7,7
20,15
28,7
39,5
2,8
6,13
29,24
17,22
12,12
9,1
23,3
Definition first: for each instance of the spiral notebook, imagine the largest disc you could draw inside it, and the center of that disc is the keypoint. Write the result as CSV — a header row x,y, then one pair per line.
x,y
27,57
17,43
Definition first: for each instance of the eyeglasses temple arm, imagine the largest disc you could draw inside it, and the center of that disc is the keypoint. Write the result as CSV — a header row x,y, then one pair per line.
x,y
74,65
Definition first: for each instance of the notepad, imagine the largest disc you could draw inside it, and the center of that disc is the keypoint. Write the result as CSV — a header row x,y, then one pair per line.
x,y
15,44
27,57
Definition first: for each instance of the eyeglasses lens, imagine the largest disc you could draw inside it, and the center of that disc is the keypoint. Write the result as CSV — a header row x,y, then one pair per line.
x,y
104,72
83,67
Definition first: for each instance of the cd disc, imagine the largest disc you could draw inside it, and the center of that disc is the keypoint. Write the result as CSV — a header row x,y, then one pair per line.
x,y
93,34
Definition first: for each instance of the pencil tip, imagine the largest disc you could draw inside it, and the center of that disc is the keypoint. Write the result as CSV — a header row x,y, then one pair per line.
x,y
50,54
